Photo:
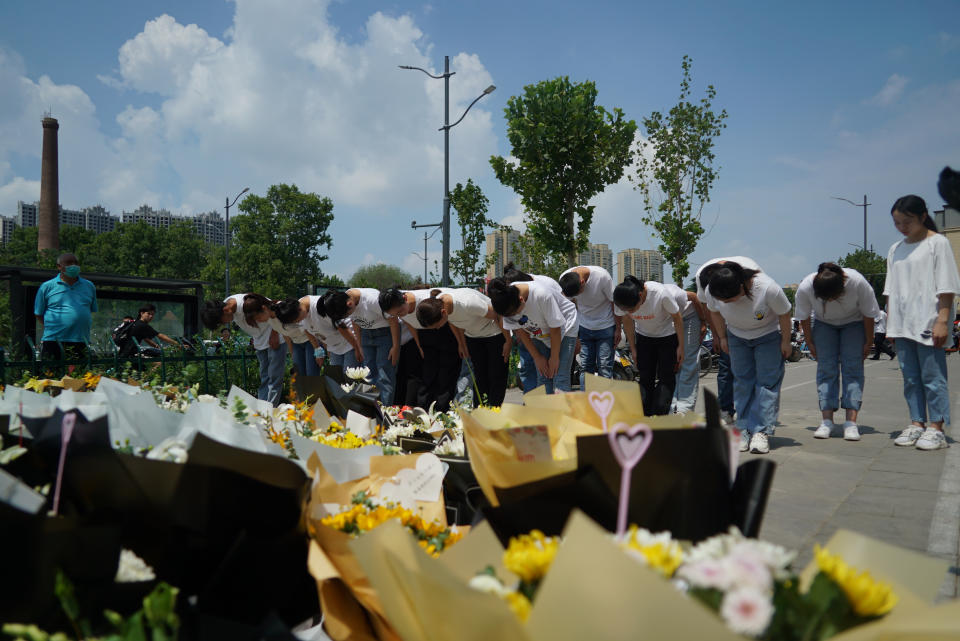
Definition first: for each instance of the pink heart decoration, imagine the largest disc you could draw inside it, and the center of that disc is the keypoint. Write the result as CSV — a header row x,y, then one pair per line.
x,y
602,404
628,445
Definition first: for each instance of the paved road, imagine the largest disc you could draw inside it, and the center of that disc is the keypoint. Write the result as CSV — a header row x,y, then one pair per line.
x,y
900,495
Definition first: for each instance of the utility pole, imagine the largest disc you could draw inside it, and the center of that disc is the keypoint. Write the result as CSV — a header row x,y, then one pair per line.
x,y
864,204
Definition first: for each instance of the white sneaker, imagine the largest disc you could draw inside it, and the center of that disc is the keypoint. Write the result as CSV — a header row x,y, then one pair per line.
x,y
908,437
850,431
726,418
932,439
759,443
744,441
825,429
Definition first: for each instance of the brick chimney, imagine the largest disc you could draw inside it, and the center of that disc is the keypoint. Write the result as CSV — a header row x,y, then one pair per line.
x,y
48,215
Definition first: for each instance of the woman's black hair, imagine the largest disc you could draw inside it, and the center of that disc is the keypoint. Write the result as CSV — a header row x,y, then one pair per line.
x,y
728,279
828,283
430,310
333,305
570,284
287,310
949,187
211,313
914,206
253,304
390,298
706,273
504,295
512,275
627,294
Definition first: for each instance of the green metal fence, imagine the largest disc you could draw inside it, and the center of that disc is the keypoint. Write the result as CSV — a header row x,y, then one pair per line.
x,y
221,365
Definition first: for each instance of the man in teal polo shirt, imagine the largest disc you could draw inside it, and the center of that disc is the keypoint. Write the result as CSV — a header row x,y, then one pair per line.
x,y
64,306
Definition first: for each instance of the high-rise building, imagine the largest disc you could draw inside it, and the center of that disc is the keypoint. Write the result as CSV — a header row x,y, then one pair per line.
x,y
99,220
598,254
26,214
212,227
159,218
7,225
503,243
645,264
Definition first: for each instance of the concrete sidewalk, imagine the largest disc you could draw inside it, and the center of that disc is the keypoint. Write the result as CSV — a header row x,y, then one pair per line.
x,y
896,494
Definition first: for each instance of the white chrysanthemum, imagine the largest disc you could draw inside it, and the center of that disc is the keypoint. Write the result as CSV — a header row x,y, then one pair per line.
x,y
452,447
169,449
707,573
358,373
778,559
346,387
396,430
716,547
747,569
747,611
207,398
488,585
133,569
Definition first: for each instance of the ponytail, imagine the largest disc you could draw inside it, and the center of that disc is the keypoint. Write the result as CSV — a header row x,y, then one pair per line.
x,y
626,295
914,206
333,305
287,310
829,281
391,299
512,275
504,295
430,310
729,279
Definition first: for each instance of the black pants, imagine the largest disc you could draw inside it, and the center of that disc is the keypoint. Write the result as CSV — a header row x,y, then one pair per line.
x,y
880,346
486,358
50,351
656,371
409,375
441,368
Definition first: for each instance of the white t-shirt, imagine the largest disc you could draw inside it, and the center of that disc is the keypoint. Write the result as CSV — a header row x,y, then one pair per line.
x,y
322,327
856,301
916,274
411,318
293,331
594,303
653,317
469,313
880,323
743,261
260,334
687,309
545,307
367,313
756,316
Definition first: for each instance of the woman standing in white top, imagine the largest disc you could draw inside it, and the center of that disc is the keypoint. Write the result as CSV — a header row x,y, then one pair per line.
x,y
379,338
591,288
654,327
921,283
548,322
474,322
752,317
695,322
844,306
880,338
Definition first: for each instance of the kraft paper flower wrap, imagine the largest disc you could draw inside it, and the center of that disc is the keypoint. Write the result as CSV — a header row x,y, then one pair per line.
x,y
352,608
594,590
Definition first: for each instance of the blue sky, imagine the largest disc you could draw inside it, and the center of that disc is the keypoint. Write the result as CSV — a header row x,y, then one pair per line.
x,y
178,104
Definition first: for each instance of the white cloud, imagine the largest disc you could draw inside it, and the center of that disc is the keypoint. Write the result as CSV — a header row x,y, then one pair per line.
x,y
891,91
19,189
947,42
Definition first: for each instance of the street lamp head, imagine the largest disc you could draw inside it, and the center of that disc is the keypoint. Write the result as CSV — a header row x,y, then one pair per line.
x,y
413,225
245,190
405,66
489,89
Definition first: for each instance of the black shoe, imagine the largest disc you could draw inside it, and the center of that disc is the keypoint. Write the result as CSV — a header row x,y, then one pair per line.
x,y
874,358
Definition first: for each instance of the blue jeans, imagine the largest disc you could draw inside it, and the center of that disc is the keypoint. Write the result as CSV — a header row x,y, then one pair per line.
x,y
303,359
688,378
345,360
528,369
561,381
724,382
839,349
596,352
757,366
924,370
272,363
376,345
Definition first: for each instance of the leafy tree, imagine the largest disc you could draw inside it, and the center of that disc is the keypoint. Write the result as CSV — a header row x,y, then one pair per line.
x,y
276,246
675,172
534,259
791,294
872,265
567,150
381,276
470,263
332,280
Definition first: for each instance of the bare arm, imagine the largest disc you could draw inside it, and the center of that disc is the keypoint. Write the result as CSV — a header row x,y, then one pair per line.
x,y
461,341
416,338
786,348
678,327
167,339
941,327
808,337
719,332
628,327
395,335
867,336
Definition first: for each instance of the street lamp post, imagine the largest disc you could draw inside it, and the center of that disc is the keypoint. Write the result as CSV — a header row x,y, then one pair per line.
x,y
446,154
414,225
227,239
864,205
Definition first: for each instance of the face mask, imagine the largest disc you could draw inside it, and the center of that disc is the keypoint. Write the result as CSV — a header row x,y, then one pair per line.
x,y
72,271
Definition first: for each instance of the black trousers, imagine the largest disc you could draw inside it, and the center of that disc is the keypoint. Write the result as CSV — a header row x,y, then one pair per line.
x,y
409,375
50,350
441,368
880,346
656,370
486,358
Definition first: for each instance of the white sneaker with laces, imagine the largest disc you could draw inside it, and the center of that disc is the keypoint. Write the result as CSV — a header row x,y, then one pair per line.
x,y
932,439
909,436
825,429
850,431
744,441
759,443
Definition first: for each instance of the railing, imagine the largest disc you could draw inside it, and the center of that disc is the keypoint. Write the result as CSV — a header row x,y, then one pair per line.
x,y
215,356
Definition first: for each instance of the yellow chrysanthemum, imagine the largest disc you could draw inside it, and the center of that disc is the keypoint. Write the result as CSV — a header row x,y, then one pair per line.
x,y
529,556
660,551
519,604
362,518
867,596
